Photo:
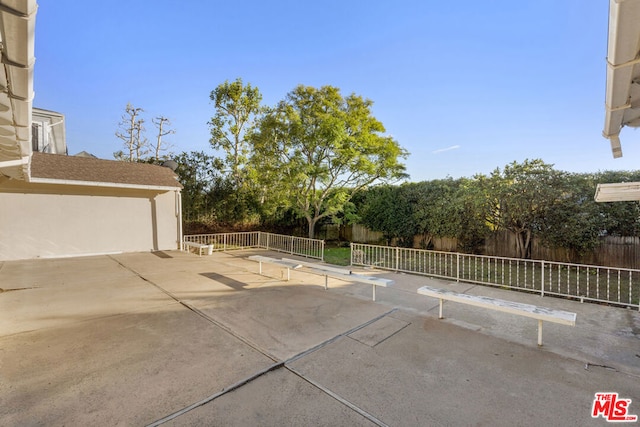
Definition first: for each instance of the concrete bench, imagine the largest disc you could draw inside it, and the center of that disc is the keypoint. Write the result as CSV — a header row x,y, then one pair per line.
x,y
343,274
527,310
318,266
289,264
197,246
354,277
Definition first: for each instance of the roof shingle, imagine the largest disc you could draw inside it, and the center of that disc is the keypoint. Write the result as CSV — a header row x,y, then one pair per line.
x,y
93,170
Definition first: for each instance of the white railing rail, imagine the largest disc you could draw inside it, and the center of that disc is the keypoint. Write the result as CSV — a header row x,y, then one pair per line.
x,y
310,248
619,286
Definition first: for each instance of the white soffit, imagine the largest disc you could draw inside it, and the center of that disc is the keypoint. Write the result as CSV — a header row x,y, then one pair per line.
x,y
618,192
622,99
17,34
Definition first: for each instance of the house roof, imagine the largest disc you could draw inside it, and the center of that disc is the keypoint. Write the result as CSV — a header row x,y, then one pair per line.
x,y
622,99
88,171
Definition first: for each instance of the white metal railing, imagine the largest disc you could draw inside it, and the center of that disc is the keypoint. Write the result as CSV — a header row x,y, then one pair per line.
x,y
619,286
226,241
310,248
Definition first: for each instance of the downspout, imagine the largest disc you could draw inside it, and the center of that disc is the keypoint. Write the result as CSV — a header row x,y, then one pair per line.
x,y
179,218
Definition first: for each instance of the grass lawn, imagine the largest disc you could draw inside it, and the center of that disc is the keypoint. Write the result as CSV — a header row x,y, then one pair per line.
x,y
337,256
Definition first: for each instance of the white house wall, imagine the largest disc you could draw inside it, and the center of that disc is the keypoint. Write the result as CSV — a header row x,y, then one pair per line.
x,y
49,127
38,221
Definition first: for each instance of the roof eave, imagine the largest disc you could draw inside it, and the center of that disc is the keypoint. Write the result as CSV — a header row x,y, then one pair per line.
x,y
17,34
618,192
623,63
53,181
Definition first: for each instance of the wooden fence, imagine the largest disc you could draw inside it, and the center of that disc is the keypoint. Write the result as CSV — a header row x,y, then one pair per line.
x,y
623,252
612,251
360,234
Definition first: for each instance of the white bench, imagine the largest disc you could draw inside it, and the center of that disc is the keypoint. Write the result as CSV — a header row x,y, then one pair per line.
x,y
198,246
527,310
289,264
343,274
318,266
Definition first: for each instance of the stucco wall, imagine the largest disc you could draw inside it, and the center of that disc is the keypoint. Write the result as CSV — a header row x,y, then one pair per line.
x,y
56,221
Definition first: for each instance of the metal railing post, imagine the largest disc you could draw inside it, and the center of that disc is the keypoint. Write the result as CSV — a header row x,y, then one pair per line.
x,y
397,258
457,267
542,280
322,251
350,253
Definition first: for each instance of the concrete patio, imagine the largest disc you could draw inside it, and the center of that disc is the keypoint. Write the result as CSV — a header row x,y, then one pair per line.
x,y
173,338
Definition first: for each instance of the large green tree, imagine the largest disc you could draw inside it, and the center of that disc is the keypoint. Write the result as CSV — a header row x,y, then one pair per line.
x,y
388,209
236,107
438,208
209,196
198,174
435,208
519,197
319,148
574,222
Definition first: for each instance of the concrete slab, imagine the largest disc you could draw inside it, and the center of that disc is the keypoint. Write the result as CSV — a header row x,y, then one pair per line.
x,y
121,370
435,373
279,398
602,335
50,293
285,321
281,318
379,331
129,339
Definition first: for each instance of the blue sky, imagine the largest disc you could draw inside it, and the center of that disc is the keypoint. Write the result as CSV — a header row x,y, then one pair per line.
x,y
464,86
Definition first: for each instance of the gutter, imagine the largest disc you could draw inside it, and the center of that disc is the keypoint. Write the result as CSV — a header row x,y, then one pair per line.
x,y
17,13
12,163
622,57
163,188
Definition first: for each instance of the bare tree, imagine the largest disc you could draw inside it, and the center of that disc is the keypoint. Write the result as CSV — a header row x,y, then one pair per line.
x,y
141,146
160,122
130,133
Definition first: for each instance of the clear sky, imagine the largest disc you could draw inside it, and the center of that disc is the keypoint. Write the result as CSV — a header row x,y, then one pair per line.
x,y
465,86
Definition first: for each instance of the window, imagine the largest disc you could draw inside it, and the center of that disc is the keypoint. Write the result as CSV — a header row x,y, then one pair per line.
x,y
36,136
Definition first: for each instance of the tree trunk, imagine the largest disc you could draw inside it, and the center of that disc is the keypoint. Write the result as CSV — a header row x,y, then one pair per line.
x,y
519,245
523,244
312,227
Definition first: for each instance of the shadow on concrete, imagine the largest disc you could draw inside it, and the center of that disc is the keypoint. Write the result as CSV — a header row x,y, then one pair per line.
x,y
161,254
225,280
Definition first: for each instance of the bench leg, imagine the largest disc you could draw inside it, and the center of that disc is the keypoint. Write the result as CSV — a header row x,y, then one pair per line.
x,y
440,313
540,333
